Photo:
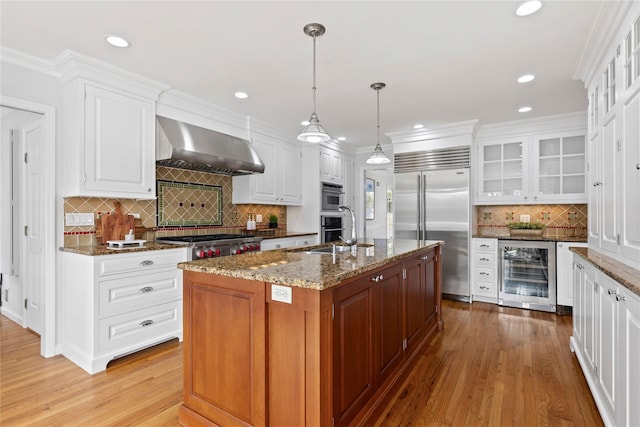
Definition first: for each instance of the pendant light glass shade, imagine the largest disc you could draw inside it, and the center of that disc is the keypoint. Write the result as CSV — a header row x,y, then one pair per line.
x,y
314,132
378,157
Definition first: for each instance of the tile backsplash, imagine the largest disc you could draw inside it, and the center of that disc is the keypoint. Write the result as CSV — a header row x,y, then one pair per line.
x,y
208,215
559,220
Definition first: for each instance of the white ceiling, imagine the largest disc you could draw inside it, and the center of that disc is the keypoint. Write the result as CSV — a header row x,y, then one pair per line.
x,y
442,61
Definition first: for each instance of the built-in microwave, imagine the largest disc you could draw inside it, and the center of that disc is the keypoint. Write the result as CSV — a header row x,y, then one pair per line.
x,y
331,198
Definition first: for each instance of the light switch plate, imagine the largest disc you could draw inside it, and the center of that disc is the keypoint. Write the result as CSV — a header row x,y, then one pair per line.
x,y
525,218
258,218
281,293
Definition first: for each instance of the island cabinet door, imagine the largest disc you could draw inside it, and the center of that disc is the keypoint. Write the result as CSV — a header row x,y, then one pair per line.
x,y
420,296
224,351
353,364
388,321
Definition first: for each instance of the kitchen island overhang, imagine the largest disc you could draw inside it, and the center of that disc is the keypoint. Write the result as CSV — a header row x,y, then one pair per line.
x,y
289,337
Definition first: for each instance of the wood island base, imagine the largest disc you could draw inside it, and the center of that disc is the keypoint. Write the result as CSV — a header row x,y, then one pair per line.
x,y
331,357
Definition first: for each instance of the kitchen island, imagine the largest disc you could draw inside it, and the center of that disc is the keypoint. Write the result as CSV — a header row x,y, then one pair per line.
x,y
293,338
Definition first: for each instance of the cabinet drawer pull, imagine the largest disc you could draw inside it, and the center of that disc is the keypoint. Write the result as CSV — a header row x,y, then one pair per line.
x,y
377,278
484,245
485,259
482,273
145,289
145,323
146,263
580,266
484,288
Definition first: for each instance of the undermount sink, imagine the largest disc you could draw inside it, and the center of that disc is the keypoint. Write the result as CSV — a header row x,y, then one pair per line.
x,y
339,248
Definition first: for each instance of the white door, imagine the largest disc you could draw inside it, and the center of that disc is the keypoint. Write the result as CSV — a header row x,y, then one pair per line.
x,y
33,198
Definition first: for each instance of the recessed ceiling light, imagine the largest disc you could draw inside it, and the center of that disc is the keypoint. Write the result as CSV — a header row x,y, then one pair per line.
x,y
116,41
305,123
342,138
418,126
526,78
528,7
524,109
241,95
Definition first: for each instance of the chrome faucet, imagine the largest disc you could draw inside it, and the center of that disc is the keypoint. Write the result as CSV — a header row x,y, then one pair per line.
x,y
354,239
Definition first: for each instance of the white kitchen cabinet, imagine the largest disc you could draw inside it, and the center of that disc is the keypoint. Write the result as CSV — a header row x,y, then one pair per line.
x,y
559,168
281,182
532,168
614,152
564,272
332,166
606,340
484,256
109,142
288,242
113,305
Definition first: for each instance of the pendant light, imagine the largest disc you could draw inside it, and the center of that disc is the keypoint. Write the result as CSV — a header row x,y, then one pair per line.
x,y
314,132
378,157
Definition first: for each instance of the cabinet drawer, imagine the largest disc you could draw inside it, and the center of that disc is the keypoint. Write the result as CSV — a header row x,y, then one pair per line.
x,y
482,259
485,288
139,291
484,274
481,245
111,264
140,328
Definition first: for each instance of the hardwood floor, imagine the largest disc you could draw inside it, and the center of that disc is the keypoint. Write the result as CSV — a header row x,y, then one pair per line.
x,y
490,366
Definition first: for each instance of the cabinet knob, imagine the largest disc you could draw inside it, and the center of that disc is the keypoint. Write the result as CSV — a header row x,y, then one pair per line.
x,y
638,166
526,198
621,298
148,190
424,258
535,197
612,292
597,183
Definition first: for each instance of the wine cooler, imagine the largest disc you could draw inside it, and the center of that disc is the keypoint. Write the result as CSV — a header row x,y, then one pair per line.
x,y
527,274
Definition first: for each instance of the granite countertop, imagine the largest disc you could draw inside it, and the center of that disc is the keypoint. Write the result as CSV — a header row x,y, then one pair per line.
x,y
97,250
536,238
627,276
280,234
294,267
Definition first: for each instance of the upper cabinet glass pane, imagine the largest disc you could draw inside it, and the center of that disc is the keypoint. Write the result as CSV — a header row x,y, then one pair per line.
x,y
573,145
550,147
513,151
492,153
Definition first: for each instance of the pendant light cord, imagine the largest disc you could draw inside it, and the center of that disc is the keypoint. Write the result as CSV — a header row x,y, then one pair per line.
x,y
314,74
378,97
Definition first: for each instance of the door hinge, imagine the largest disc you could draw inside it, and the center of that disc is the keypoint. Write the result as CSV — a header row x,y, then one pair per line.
x,y
26,230
404,273
333,311
25,303
618,146
26,157
404,344
595,287
618,239
6,295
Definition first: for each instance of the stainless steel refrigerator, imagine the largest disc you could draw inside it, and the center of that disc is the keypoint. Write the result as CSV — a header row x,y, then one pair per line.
x,y
432,203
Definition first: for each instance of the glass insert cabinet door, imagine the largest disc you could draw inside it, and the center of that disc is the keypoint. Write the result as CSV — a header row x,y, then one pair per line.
x,y
561,167
527,272
503,170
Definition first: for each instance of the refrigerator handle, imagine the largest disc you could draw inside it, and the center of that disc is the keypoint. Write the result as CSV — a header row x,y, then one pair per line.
x,y
423,208
419,210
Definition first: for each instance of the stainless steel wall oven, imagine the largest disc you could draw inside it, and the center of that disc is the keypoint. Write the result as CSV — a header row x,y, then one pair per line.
x,y
331,228
331,197
527,274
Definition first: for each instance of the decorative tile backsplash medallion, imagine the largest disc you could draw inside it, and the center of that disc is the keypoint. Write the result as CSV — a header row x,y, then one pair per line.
x,y
183,204
559,220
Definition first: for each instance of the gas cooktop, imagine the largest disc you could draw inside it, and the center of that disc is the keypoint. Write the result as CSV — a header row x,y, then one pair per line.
x,y
203,238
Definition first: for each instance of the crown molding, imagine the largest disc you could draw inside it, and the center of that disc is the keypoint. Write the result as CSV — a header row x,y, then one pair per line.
x,y
444,131
72,65
605,31
576,120
25,60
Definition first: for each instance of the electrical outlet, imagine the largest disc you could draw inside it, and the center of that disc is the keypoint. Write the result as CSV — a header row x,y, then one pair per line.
x,y
136,215
281,293
258,218
525,218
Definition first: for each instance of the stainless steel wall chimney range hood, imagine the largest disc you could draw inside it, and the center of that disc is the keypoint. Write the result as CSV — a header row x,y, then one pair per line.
x,y
185,146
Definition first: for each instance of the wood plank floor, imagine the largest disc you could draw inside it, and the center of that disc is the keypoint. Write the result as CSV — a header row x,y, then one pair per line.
x,y
491,366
